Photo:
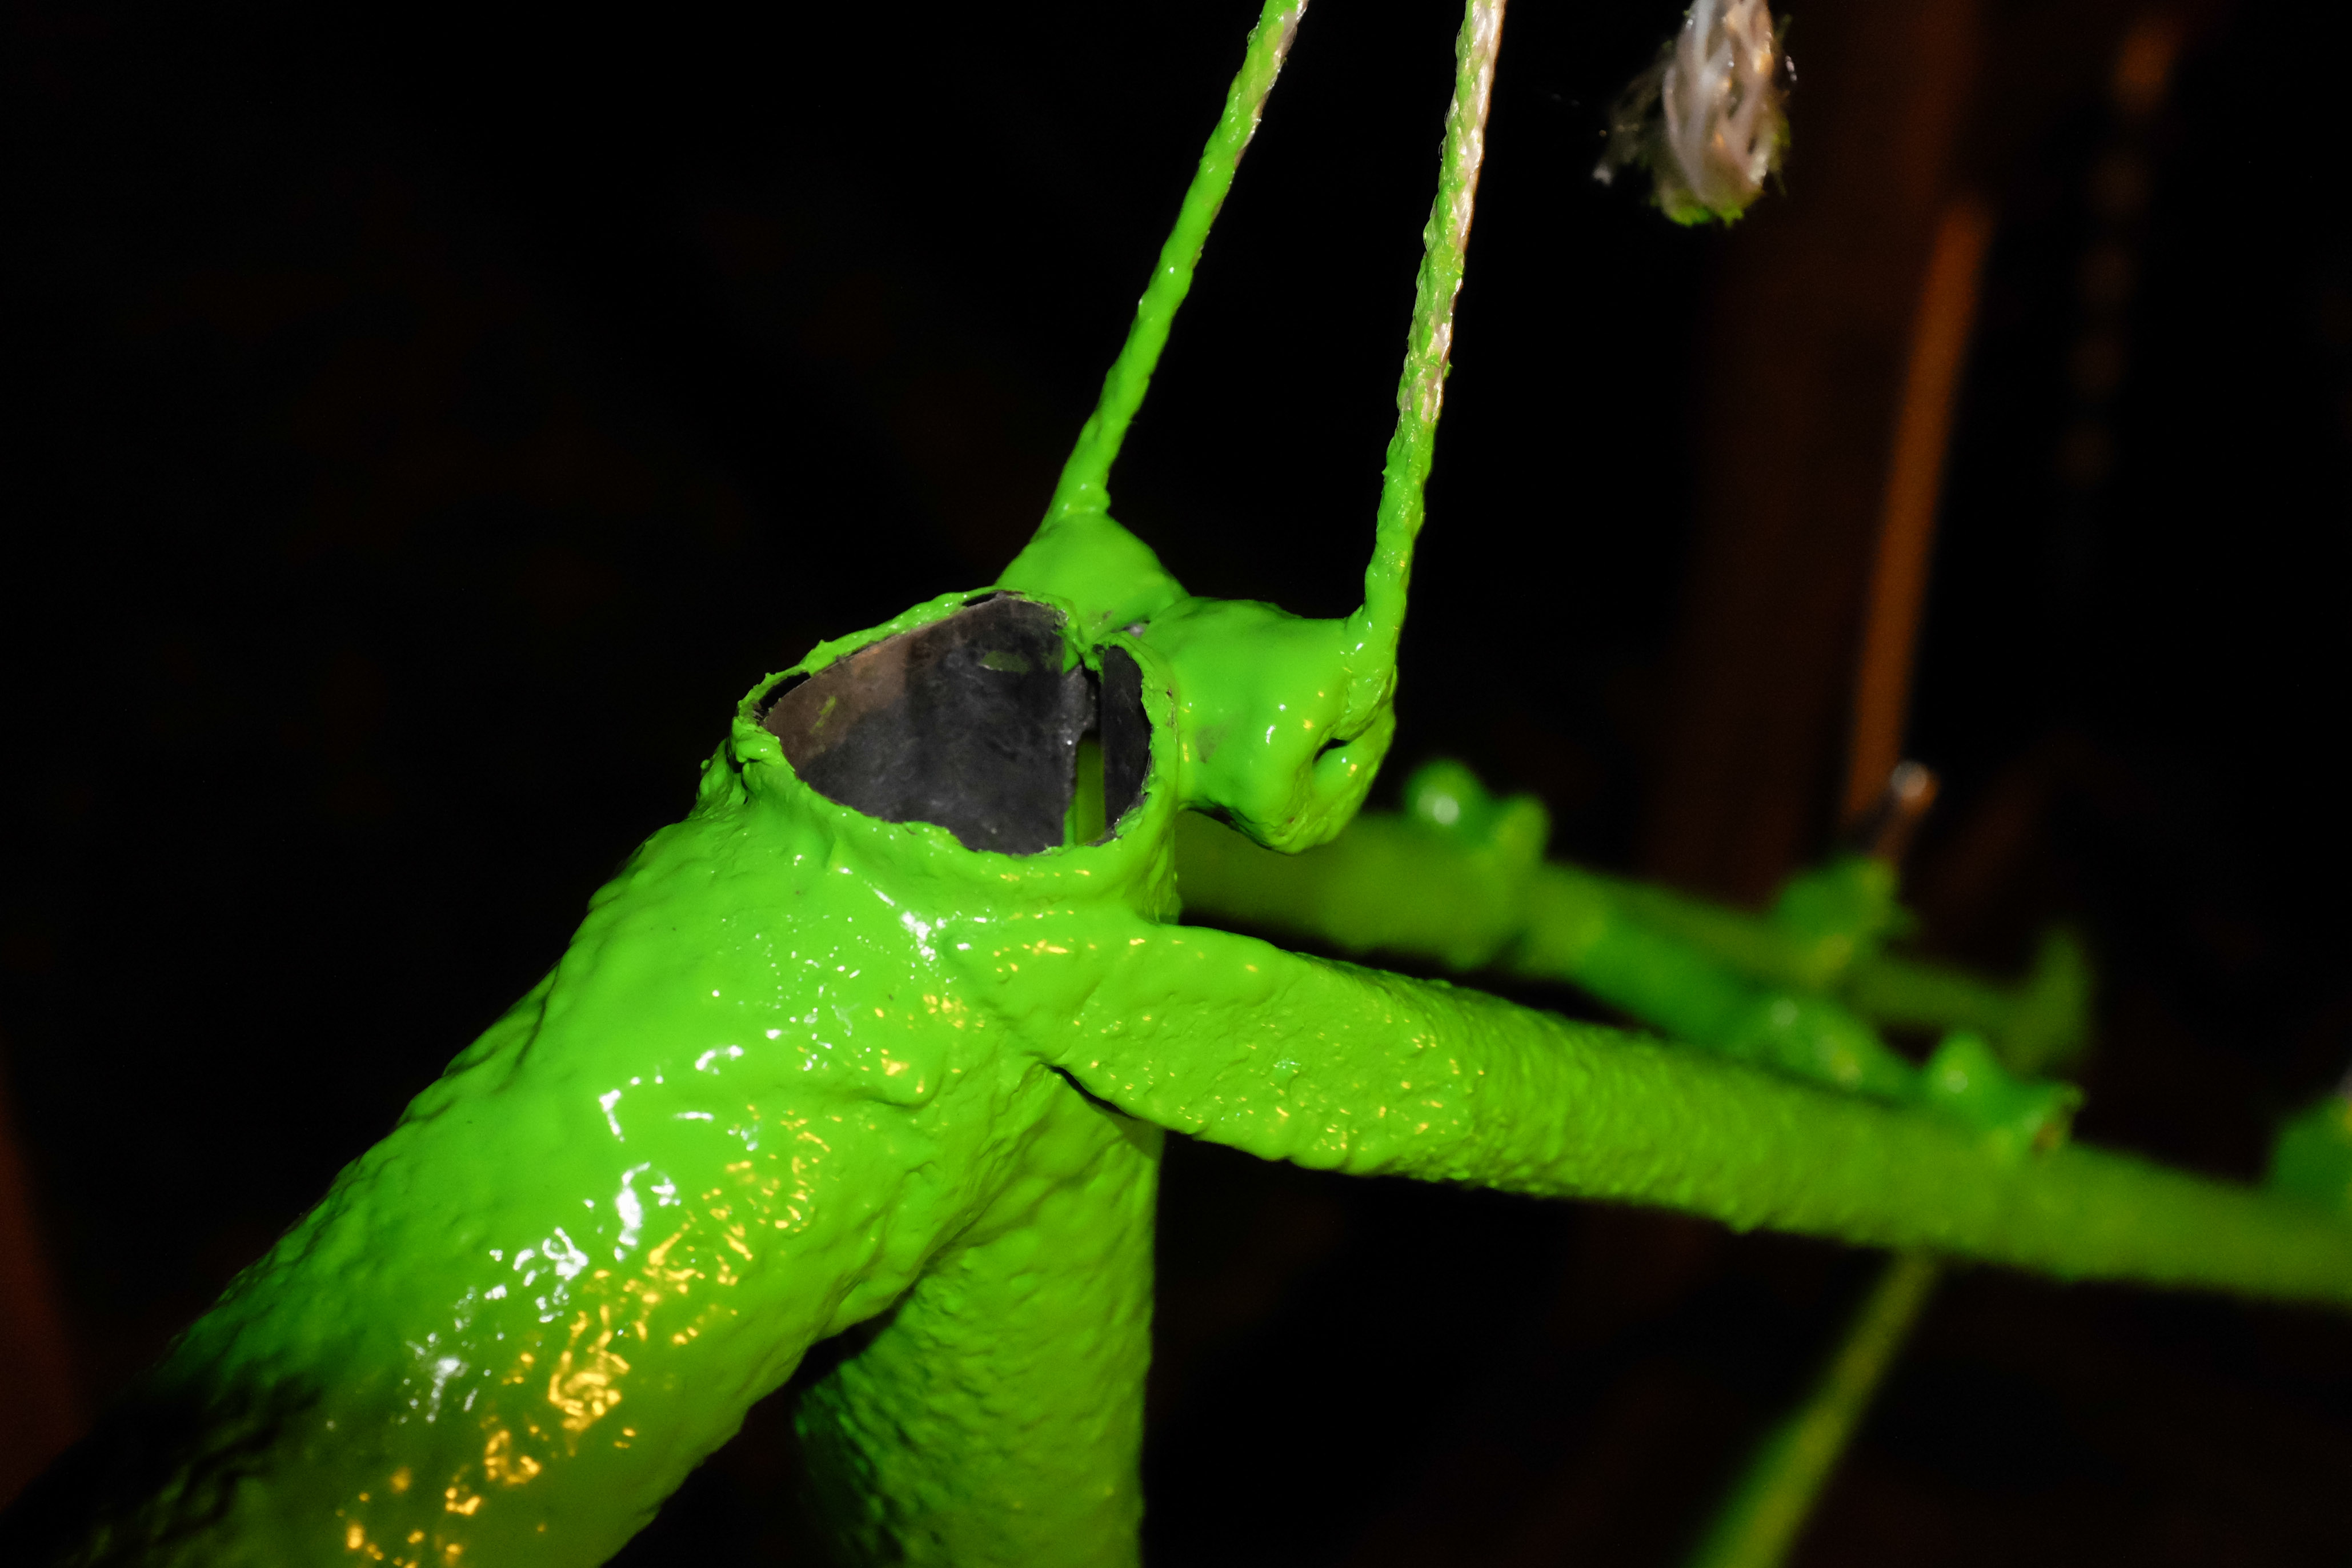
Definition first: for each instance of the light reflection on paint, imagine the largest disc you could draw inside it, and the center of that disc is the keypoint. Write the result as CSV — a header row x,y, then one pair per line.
x,y
632,1210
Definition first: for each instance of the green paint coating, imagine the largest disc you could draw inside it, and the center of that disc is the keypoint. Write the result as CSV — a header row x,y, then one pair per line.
x,y
1085,486
1286,720
1459,877
1767,1510
800,1066
1765,1516
2311,1157
804,1073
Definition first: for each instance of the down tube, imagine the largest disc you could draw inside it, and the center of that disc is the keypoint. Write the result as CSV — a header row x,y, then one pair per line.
x,y
1329,1065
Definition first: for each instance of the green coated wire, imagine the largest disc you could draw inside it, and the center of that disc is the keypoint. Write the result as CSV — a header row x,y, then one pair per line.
x,y
1084,488
1421,389
810,1068
1768,1513
1458,878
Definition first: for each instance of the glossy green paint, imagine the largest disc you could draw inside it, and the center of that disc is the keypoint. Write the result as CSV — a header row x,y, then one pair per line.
x,y
1827,933
763,1098
803,1071
1283,720
1459,876
805,1074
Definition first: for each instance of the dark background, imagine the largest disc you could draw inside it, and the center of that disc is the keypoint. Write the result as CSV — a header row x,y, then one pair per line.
x,y
424,425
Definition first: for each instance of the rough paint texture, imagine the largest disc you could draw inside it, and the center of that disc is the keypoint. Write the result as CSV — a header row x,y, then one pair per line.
x,y
803,1071
1459,877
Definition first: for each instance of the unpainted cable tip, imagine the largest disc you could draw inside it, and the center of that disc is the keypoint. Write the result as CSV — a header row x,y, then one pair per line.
x,y
1708,119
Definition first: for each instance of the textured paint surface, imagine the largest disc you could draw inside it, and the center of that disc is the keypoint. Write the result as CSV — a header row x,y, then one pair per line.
x,y
767,1089
804,1073
1459,876
801,1068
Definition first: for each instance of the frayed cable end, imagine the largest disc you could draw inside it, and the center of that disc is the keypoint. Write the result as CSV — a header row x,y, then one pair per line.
x,y
1707,120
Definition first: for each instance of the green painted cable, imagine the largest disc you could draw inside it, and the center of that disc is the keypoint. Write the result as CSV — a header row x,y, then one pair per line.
x,y
1297,781
808,1069
1459,877
802,1066
1775,1497
512,1327
1084,486
1478,896
1077,551
1429,344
